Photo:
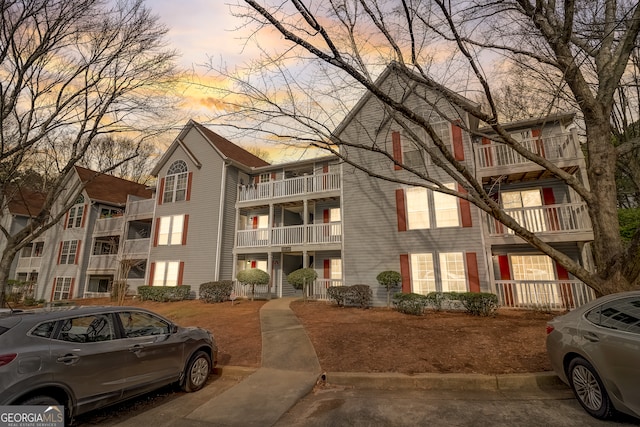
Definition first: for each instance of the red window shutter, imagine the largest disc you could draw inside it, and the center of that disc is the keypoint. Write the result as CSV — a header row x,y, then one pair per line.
x,y
185,227
405,273
472,272
180,273
60,252
189,179
397,149
505,271
327,269
53,288
253,264
539,142
85,213
488,154
160,194
465,209
66,221
401,210
325,167
273,176
458,147
255,222
551,214
256,179
152,271
325,215
77,252
71,286
566,293
156,232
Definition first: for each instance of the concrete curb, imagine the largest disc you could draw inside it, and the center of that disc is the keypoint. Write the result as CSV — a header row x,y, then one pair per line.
x,y
233,371
451,382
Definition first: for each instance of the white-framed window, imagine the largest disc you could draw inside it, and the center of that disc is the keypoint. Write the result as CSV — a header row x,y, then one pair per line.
x,y
335,227
68,252
32,250
75,216
166,273
535,276
413,155
423,276
62,289
335,269
448,275
175,183
265,177
106,245
170,230
446,208
453,275
525,206
417,208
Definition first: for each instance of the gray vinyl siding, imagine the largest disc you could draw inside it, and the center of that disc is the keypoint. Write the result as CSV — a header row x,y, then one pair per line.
x,y
372,242
203,208
229,225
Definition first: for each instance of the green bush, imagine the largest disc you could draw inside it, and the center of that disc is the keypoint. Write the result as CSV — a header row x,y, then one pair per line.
x,y
253,277
437,300
301,277
216,291
479,303
338,294
414,304
389,279
359,295
164,293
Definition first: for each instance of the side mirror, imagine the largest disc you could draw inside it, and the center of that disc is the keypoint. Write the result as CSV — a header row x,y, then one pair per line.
x,y
173,328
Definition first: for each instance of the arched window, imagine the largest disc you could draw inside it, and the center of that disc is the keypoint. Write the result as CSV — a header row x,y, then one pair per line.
x,y
175,185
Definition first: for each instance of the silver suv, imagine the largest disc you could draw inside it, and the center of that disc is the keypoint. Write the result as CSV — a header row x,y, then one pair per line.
x,y
85,358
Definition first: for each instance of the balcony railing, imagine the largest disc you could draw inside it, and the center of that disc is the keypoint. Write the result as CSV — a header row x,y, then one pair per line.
x,y
140,207
109,226
543,294
552,147
318,289
545,219
292,235
103,262
136,248
29,263
290,187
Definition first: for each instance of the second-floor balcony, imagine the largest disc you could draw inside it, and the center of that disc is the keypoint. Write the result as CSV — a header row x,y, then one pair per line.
x,y
548,219
29,263
561,149
103,262
140,208
326,233
136,248
298,186
109,226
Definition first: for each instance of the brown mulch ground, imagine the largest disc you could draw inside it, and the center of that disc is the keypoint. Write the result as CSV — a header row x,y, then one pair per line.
x,y
378,339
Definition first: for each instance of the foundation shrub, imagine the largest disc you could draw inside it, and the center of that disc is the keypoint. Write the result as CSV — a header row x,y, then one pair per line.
x,y
414,304
338,294
478,303
164,293
359,295
216,291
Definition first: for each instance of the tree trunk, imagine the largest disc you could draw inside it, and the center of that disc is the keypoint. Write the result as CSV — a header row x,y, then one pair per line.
x,y
8,256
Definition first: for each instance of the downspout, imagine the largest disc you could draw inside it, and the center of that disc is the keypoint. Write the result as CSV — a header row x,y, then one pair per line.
x,y
216,275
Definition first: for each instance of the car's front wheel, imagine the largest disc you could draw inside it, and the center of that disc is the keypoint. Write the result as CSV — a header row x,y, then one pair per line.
x,y
41,400
589,389
197,372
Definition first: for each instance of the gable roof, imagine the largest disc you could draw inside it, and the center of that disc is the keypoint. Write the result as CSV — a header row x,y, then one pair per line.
x,y
225,148
416,79
109,188
26,202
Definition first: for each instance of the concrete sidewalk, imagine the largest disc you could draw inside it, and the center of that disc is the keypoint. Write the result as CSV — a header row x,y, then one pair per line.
x,y
289,371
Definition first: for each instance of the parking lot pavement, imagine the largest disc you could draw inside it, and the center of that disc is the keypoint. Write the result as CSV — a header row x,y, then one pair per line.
x,y
341,406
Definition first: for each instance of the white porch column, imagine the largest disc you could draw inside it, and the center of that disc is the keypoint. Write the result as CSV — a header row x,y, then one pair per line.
x,y
305,221
305,259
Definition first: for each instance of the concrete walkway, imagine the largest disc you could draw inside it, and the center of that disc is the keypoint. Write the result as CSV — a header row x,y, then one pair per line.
x,y
289,371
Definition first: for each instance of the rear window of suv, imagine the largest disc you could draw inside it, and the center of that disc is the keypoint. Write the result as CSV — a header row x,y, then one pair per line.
x,y
3,330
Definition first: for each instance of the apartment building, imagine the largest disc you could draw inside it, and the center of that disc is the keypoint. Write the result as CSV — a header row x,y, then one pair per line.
x,y
218,209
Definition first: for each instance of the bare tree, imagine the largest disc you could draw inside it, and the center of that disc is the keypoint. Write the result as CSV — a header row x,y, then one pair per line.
x,y
74,70
334,50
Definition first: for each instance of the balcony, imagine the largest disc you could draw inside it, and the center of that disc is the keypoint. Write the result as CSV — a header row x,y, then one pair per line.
x,y
102,262
136,248
543,294
298,186
550,219
140,209
313,234
501,160
29,263
109,226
